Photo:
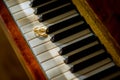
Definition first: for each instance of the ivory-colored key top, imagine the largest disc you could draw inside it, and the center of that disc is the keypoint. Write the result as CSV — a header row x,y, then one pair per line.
x,y
48,55
27,20
57,70
30,35
23,13
20,7
52,62
11,3
39,40
29,27
65,76
43,47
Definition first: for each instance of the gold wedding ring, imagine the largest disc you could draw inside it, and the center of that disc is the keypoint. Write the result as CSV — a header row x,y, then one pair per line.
x,y
40,31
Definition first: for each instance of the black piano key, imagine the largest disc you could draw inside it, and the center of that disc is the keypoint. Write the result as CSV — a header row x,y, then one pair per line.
x,y
50,6
35,3
89,62
77,45
116,77
83,53
103,74
69,32
56,12
63,24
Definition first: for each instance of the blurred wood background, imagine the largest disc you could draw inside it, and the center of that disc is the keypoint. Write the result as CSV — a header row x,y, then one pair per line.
x,y
10,66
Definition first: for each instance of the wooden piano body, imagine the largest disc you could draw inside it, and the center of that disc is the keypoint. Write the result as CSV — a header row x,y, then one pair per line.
x,y
104,23
28,61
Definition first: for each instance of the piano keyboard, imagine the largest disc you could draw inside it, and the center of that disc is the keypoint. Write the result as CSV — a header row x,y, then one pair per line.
x,y
71,51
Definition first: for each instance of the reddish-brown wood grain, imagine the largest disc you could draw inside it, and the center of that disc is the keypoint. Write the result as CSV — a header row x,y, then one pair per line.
x,y
26,53
108,12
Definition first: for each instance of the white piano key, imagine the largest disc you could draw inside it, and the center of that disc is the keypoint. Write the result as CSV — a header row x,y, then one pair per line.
x,y
29,27
11,3
49,45
57,71
20,7
43,47
48,55
27,20
65,76
30,35
23,13
96,71
38,41
52,62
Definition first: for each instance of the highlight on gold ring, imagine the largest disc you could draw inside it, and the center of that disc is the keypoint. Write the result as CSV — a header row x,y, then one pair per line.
x,y
40,31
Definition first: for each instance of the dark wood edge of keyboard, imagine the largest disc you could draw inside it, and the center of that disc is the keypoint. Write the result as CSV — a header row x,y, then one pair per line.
x,y
108,12
99,29
30,61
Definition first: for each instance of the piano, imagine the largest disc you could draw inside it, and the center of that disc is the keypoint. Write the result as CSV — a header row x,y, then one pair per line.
x,y
62,39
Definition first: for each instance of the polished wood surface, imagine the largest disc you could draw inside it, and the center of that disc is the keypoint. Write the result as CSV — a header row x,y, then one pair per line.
x,y
11,67
30,61
108,12
99,28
